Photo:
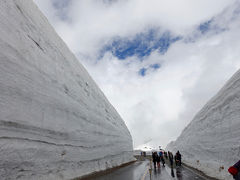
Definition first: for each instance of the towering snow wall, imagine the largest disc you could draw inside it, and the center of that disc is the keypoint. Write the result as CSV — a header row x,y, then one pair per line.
x,y
55,123
211,142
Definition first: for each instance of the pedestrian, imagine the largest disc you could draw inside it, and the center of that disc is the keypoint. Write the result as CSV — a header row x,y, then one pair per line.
x,y
178,159
170,156
158,161
161,158
235,170
163,161
154,158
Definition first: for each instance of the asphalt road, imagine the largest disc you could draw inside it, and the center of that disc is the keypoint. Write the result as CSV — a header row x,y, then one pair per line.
x,y
140,171
179,173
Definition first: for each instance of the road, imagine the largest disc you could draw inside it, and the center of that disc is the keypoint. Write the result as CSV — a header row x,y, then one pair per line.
x,y
140,171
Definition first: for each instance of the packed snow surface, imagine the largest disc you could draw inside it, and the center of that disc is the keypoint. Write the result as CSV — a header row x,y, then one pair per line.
x,y
55,123
211,142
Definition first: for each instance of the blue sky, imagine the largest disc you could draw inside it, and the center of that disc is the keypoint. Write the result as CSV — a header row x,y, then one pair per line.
x,y
158,62
205,27
141,45
143,71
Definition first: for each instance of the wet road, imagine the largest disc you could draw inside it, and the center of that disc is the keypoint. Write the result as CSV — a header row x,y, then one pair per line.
x,y
140,171
179,173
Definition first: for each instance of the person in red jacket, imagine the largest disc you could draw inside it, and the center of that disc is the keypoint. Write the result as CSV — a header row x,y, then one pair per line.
x,y
235,170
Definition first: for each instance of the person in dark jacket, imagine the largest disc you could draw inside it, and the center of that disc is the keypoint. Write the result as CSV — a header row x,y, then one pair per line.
x,y
154,158
158,161
178,159
235,171
170,156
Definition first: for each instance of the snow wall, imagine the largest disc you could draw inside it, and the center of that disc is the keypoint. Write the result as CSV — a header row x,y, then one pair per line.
x,y
55,123
211,142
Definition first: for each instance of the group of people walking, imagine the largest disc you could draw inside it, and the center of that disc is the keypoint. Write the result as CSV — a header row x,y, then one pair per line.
x,y
158,157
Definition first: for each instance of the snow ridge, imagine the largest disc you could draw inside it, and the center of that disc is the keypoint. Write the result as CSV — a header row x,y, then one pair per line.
x,y
210,142
55,123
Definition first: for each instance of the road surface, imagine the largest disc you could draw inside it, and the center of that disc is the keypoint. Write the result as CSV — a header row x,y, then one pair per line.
x,y
140,171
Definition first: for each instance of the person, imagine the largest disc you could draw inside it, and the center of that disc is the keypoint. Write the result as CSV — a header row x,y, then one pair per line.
x,y
170,156
154,157
178,159
161,158
168,153
158,161
235,170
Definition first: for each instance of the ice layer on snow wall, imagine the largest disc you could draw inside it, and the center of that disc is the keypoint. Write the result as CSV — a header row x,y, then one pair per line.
x,y
55,123
211,142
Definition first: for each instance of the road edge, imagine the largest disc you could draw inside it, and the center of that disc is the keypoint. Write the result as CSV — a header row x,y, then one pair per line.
x,y
103,172
198,172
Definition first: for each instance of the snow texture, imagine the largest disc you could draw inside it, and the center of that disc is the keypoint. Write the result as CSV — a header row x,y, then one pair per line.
x,y
211,142
55,123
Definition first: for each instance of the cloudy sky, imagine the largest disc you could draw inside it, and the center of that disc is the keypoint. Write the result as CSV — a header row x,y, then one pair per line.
x,y
158,62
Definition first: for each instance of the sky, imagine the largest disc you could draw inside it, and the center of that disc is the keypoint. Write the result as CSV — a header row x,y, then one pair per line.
x,y
158,62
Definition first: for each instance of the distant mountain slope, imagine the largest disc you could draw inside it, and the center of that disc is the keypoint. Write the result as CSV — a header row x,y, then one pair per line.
x,y
55,123
211,142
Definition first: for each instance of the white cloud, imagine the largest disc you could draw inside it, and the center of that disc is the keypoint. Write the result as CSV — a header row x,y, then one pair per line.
x,y
95,21
160,104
